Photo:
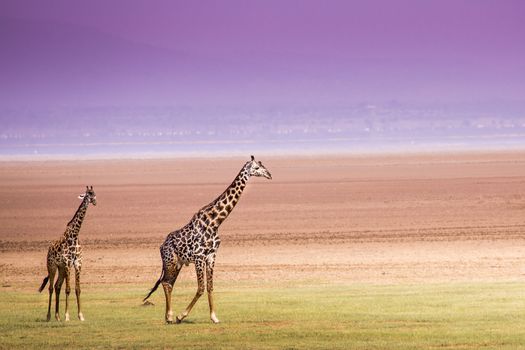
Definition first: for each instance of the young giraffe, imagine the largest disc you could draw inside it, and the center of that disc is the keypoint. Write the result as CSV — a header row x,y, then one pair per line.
x,y
198,241
66,253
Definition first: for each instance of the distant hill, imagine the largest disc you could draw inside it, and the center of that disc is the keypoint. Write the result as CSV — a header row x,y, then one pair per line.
x,y
63,84
54,63
62,64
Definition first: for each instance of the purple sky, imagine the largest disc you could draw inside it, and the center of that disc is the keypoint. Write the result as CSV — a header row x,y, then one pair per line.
x,y
123,52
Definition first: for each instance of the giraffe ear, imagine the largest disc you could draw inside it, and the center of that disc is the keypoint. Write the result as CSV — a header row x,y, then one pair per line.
x,y
81,196
253,158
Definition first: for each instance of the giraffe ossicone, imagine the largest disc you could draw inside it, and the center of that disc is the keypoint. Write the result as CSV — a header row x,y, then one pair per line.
x,y
198,241
66,254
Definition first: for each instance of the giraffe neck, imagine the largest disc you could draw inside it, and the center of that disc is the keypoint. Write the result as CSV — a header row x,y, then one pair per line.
x,y
221,207
73,227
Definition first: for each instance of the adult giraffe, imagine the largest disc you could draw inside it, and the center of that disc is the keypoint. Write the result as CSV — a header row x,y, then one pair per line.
x,y
198,241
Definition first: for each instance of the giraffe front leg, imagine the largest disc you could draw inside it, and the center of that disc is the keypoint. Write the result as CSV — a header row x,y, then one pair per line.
x,y
68,291
77,292
209,286
199,268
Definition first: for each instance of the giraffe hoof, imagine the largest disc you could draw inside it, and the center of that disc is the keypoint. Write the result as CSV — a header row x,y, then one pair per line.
x,y
81,317
178,320
214,318
169,321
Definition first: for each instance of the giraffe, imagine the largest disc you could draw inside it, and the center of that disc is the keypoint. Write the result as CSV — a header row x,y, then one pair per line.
x,y
65,254
198,242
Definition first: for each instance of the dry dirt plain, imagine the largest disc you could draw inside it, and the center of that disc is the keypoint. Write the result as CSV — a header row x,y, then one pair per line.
x,y
335,219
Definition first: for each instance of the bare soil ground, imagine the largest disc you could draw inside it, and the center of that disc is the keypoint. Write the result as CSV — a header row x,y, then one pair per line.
x,y
340,219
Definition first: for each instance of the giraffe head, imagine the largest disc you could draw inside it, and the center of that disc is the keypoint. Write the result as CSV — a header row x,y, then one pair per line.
x,y
90,194
256,168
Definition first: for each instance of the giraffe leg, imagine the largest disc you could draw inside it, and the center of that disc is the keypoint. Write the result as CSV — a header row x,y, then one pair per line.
x,y
168,288
68,291
199,268
170,276
77,293
58,286
51,270
209,286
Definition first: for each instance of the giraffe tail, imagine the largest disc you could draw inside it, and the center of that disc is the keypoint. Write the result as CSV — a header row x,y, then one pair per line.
x,y
155,286
44,282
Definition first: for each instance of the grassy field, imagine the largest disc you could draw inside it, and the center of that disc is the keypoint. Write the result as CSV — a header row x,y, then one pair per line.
x,y
458,316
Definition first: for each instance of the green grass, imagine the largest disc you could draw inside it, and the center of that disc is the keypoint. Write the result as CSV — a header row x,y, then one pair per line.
x,y
456,316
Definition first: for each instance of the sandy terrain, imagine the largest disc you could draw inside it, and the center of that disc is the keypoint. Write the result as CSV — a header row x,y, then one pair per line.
x,y
352,219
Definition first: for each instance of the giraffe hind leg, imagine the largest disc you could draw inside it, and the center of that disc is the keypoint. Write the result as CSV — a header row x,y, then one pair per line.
x,y
169,276
58,286
167,259
51,270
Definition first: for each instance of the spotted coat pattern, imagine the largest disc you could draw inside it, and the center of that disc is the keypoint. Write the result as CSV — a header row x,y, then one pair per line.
x,y
198,241
66,254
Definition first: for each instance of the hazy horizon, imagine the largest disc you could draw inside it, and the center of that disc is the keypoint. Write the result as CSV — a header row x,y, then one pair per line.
x,y
277,75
